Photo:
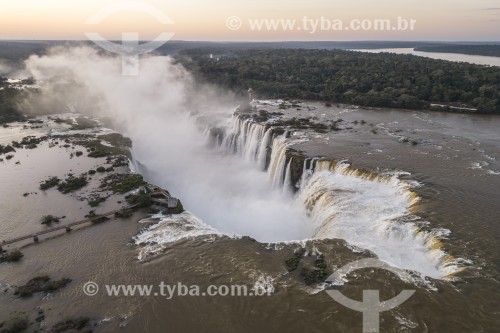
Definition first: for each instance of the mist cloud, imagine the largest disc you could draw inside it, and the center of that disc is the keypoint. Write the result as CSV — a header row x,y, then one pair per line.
x,y
155,109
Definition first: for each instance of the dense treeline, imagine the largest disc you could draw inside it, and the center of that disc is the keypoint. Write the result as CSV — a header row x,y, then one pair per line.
x,y
483,50
379,80
20,50
8,107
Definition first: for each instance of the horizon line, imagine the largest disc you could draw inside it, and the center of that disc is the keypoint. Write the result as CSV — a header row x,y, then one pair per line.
x,y
265,41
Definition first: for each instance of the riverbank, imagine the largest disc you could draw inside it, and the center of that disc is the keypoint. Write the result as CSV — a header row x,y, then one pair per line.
x,y
64,174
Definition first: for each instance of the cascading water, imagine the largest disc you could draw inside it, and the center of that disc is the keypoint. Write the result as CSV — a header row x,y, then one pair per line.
x,y
265,142
287,185
248,140
371,212
277,163
367,210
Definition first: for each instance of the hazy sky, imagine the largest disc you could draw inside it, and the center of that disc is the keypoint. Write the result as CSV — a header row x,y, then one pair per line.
x,y
207,20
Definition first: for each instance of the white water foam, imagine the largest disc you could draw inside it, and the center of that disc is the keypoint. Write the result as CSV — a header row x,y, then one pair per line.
x,y
369,215
263,284
170,229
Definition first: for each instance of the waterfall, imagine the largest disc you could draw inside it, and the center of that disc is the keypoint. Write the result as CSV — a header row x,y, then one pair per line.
x,y
367,209
265,142
252,147
248,140
287,186
277,165
373,212
251,141
307,171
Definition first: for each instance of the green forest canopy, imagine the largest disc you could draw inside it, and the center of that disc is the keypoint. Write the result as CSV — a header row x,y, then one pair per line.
x,y
377,80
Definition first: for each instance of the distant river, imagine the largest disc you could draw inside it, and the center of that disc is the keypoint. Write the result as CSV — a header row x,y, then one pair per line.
x,y
472,59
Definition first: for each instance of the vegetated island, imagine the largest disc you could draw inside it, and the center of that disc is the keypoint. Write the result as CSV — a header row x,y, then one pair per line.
x,y
374,80
482,50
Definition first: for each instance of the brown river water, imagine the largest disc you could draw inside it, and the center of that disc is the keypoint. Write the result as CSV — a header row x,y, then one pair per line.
x,y
419,190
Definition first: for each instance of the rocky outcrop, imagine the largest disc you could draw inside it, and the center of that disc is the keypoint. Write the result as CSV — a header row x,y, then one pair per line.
x,y
296,167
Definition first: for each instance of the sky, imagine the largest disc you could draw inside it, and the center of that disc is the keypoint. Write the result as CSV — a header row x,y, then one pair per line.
x,y
233,20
